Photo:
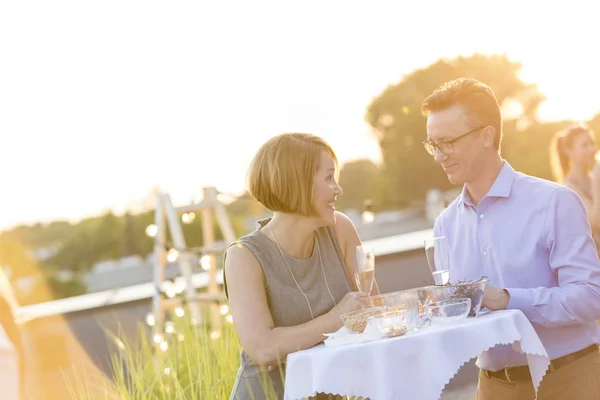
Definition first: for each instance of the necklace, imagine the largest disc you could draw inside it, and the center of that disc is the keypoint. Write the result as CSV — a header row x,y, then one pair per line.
x,y
294,278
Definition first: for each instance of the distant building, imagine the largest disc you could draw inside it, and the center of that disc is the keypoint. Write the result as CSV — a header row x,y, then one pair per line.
x,y
129,271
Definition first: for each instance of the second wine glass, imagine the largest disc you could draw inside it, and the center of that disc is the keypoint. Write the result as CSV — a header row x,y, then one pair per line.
x,y
438,258
364,273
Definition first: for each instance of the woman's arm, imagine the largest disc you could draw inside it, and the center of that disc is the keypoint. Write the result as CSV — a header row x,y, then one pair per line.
x,y
592,206
348,239
264,343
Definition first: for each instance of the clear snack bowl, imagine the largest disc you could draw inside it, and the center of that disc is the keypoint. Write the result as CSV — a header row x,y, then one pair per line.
x,y
473,290
395,322
448,312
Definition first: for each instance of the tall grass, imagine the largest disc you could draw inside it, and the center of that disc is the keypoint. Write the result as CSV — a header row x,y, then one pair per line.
x,y
192,362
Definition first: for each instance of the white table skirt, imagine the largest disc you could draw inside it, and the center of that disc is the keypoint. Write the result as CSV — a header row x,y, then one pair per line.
x,y
415,366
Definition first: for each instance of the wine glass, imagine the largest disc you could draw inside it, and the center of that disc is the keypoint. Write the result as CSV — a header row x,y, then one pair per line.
x,y
364,273
438,258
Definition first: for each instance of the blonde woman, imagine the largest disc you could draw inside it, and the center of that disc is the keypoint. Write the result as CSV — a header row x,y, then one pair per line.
x,y
289,281
573,164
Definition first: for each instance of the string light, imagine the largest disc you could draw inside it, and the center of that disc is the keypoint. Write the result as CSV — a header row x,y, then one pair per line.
x,y
180,285
224,309
214,335
205,262
179,312
188,218
168,288
172,255
229,319
164,346
170,327
151,230
368,215
150,320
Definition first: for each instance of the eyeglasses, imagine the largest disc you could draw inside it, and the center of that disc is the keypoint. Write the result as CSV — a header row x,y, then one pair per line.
x,y
446,146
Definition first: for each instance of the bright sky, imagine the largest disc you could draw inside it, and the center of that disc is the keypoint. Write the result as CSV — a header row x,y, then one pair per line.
x,y
101,101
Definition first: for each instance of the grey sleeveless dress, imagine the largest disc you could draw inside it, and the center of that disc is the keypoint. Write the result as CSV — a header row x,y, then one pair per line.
x,y
288,306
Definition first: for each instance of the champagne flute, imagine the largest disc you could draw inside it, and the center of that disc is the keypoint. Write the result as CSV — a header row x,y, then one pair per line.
x,y
364,273
438,258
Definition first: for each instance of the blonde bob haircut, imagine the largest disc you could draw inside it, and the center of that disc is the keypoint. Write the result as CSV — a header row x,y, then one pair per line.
x,y
282,174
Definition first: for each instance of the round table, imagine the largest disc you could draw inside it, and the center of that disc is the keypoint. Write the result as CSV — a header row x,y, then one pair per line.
x,y
415,366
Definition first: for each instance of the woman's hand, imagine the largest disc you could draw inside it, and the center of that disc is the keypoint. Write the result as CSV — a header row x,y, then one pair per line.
x,y
352,301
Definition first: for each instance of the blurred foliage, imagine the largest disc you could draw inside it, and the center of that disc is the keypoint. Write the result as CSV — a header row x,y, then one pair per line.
x,y
44,253
359,180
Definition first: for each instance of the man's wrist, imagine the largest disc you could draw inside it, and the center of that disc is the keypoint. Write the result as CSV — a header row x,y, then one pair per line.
x,y
507,298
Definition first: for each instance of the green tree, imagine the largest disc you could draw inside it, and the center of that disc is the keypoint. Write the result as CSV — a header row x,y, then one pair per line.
x,y
131,236
358,179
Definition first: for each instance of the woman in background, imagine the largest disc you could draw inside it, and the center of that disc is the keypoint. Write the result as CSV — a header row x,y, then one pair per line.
x,y
572,155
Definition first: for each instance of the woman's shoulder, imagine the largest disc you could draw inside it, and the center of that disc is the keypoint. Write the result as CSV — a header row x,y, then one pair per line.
x,y
343,233
344,227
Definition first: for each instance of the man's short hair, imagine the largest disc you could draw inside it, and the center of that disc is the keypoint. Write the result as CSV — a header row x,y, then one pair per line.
x,y
476,100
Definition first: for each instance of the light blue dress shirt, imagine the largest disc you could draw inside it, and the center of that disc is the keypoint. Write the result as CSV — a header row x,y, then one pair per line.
x,y
531,237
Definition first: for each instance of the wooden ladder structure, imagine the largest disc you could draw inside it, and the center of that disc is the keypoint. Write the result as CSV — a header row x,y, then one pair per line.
x,y
168,217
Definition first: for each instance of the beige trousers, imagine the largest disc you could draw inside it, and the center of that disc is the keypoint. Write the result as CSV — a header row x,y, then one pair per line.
x,y
579,380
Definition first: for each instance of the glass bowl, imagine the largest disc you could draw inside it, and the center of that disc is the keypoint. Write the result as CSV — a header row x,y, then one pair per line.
x,y
395,322
356,321
447,312
471,290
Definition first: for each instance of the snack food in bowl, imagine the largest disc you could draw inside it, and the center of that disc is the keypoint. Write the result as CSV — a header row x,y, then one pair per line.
x,y
356,321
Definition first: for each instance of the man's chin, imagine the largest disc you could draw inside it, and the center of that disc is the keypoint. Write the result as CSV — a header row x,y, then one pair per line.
x,y
455,180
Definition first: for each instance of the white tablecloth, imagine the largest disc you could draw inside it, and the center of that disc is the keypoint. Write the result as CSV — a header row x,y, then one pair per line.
x,y
415,366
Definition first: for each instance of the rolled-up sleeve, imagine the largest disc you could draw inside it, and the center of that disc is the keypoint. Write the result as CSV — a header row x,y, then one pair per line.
x,y
574,260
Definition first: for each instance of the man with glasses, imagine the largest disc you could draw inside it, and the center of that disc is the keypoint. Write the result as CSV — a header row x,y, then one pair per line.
x,y
530,237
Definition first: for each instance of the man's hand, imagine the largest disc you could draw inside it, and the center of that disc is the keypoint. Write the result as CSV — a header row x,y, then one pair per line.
x,y
495,298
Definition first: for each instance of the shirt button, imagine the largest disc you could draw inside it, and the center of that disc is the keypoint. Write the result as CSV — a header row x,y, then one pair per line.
x,y
485,253
481,216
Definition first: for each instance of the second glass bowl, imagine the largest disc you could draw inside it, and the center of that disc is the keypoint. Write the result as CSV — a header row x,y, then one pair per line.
x,y
448,312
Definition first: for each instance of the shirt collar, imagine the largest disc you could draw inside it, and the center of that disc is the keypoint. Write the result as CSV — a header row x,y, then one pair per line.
x,y
501,187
